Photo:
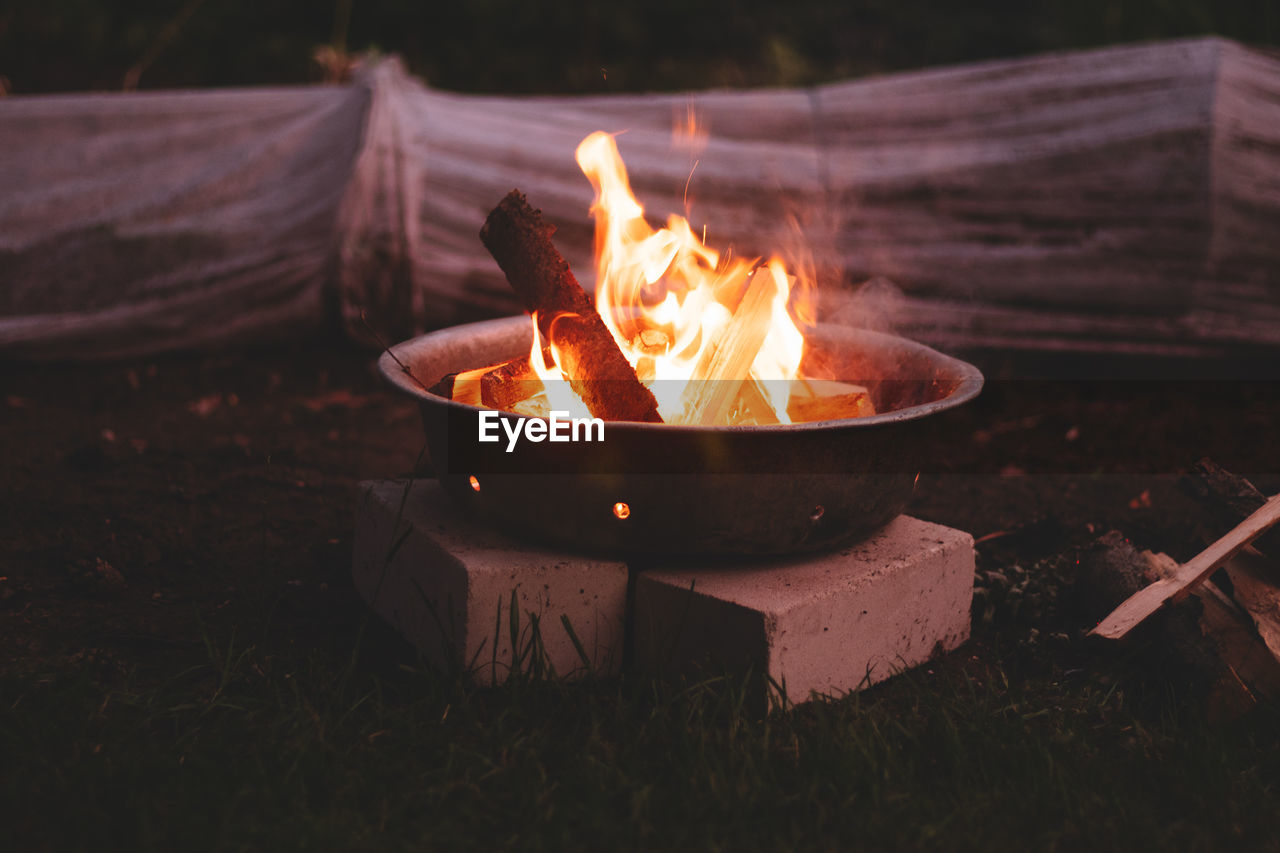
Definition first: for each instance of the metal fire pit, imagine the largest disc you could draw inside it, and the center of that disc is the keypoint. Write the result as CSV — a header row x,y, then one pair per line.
x,y
757,490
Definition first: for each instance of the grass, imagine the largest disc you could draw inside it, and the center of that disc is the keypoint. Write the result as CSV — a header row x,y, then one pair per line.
x,y
284,718
246,750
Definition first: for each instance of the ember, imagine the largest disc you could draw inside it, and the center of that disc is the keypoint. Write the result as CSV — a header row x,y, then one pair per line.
x,y
679,332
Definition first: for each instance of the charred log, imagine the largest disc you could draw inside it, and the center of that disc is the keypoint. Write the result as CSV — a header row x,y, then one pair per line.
x,y
444,388
520,241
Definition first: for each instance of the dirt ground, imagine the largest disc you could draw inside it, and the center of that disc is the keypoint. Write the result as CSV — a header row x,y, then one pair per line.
x,y
152,502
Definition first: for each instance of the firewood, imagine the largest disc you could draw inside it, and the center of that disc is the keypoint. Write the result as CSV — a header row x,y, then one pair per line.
x,y
1172,645
1147,601
1227,499
1254,578
726,363
444,388
755,405
1253,588
827,399
462,387
1227,621
509,383
520,241
1203,643
536,406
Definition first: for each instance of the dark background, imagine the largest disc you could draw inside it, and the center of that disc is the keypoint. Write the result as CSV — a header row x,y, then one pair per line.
x,y
592,46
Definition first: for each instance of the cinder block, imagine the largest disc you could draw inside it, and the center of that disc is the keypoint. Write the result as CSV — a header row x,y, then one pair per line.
x,y
827,624
445,582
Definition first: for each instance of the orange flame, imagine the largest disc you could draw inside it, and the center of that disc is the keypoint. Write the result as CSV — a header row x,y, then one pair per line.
x,y
711,334
689,130
560,396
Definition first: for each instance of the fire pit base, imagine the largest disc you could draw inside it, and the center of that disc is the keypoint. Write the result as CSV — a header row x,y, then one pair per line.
x,y
829,623
446,583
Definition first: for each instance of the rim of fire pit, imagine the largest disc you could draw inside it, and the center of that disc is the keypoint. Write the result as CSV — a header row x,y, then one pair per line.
x,y
969,380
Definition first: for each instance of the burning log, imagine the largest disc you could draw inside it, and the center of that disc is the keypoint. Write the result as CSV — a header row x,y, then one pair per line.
x,y
755,406
507,384
727,363
827,399
463,387
519,240
501,386
444,388
537,406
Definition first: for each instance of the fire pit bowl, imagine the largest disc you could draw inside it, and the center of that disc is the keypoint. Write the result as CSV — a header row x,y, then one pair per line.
x,y
715,491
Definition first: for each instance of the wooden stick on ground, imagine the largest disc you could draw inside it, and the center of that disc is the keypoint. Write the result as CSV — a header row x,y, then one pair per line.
x,y
1146,601
520,242
1255,578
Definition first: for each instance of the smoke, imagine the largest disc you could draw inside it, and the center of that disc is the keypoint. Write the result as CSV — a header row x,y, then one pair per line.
x,y
807,236
809,244
876,304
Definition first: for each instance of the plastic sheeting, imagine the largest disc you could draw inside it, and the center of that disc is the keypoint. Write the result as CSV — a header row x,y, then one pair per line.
x,y
1115,199
144,222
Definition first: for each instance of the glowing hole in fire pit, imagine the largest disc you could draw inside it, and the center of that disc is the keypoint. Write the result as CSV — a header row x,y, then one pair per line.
x,y
621,510
475,484
818,512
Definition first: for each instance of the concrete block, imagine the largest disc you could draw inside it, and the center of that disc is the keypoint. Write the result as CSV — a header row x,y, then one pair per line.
x,y
826,624
445,582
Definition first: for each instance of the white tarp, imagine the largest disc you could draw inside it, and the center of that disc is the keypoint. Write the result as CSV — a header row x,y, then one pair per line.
x,y
1118,199
143,222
